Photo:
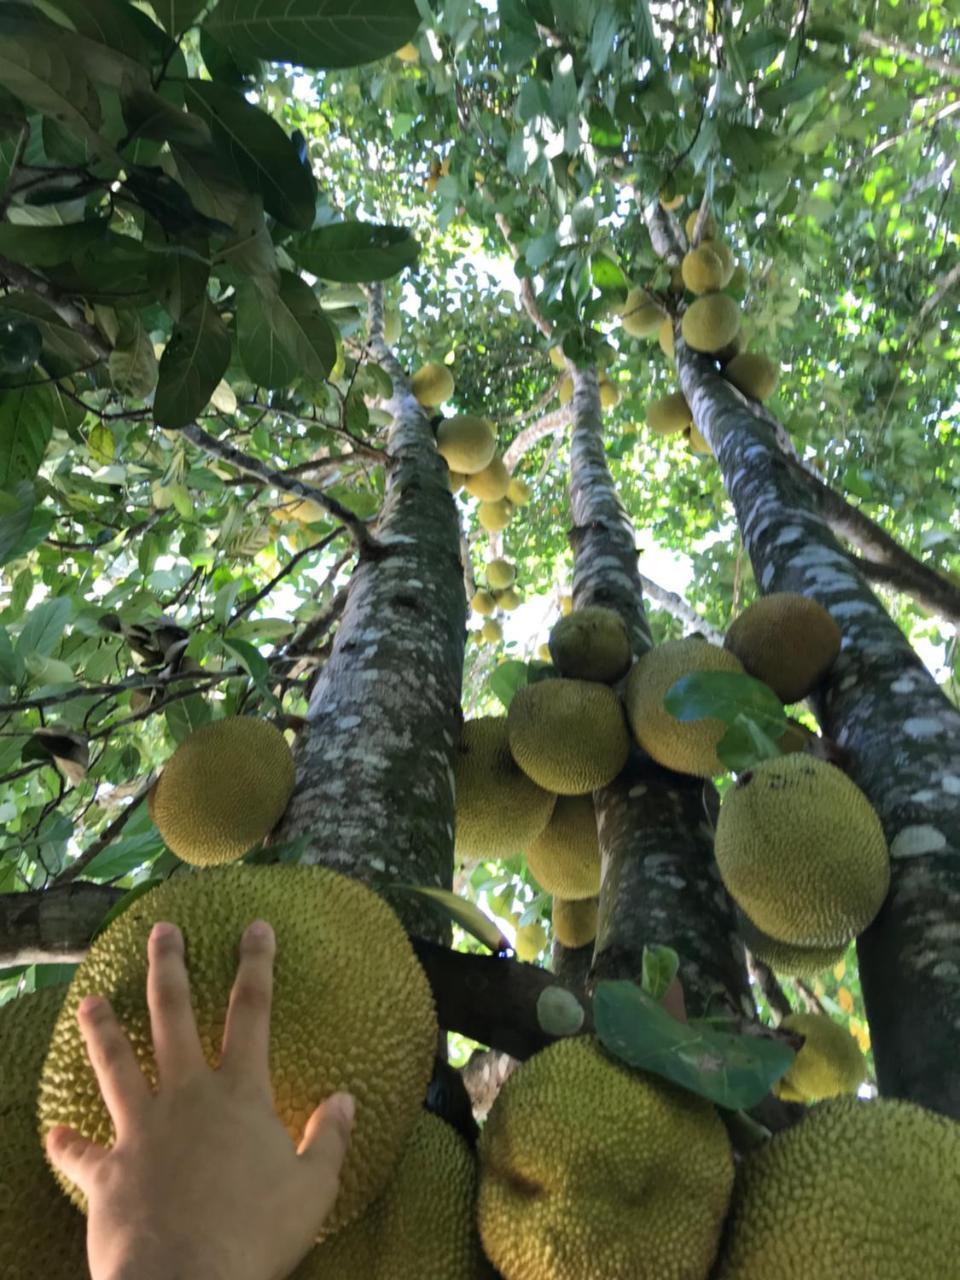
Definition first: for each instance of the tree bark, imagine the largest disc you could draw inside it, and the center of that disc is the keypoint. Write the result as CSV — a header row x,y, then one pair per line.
x,y
374,791
659,883
52,926
901,733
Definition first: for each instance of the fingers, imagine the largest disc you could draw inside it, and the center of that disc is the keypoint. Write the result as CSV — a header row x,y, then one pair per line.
x,y
246,1036
124,1089
74,1155
176,1045
326,1138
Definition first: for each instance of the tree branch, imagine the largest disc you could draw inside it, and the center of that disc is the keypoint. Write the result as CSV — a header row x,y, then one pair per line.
x,y
69,313
678,608
55,925
890,44
527,296
244,608
105,838
550,424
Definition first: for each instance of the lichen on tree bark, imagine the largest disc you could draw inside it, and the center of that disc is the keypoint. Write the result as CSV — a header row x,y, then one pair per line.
x,y
901,734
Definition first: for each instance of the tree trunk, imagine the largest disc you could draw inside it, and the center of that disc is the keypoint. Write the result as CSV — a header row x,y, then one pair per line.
x,y
660,885
374,790
902,736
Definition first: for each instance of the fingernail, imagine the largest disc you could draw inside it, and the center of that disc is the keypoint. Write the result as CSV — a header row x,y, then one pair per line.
x,y
163,931
345,1107
258,930
90,1005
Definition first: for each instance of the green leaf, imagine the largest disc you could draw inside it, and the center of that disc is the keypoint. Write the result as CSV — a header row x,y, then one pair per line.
x,y
463,912
11,664
26,425
731,1071
726,695
133,365
746,743
186,715
46,246
112,22
506,679
22,523
63,350
178,15
193,362
660,966
222,65
259,151
251,659
13,137
44,627
128,900
147,115
302,327
355,251
315,33
809,79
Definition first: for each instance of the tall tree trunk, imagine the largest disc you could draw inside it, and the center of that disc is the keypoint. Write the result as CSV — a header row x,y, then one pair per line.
x,y
901,733
660,884
374,790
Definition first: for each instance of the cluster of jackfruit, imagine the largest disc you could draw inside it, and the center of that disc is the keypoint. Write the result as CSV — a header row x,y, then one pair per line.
x,y
610,395
500,592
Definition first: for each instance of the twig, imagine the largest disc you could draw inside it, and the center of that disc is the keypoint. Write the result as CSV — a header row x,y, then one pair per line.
x,y
243,609
24,278
527,296
106,837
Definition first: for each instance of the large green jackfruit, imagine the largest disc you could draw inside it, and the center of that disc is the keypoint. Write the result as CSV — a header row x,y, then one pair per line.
x,y
432,384
352,1008
467,443
787,958
499,809
710,323
569,736
786,640
801,851
828,1063
591,644
575,921
42,1235
223,790
591,1171
564,859
858,1190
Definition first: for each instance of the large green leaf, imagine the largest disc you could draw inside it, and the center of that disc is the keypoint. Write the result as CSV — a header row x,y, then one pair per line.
x,y
355,251
178,15
43,629
16,512
13,136
26,425
193,362
63,349
315,33
46,246
301,325
266,358
113,23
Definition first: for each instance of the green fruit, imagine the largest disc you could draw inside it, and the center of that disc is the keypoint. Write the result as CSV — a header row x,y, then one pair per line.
x,y
828,1063
569,736
591,644
499,809
786,640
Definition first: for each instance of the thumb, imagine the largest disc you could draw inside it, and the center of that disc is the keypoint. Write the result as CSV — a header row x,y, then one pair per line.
x,y
327,1135
73,1154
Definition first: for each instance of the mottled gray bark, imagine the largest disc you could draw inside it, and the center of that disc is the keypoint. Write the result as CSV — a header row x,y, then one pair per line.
x,y
52,926
901,733
659,886
374,789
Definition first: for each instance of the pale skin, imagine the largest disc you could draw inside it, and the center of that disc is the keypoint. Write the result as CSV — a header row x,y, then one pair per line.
x,y
203,1181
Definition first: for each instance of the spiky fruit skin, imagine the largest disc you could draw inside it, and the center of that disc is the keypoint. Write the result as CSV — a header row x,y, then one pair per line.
x,y
591,1171
710,323
490,484
519,492
665,338
351,1008
575,921
569,736
828,1063
702,270
500,574
609,393
782,957
223,790
491,631
669,414
499,810
41,1233
529,941
640,316
432,384
494,516
802,852
707,232
722,250
509,599
591,644
786,640
687,747
483,603
870,1189
565,389
467,443
424,1224
564,858
754,374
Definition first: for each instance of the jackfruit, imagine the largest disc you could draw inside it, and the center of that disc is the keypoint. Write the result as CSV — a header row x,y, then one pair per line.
x,y
466,442
827,1064
697,441
303,510
509,599
500,574
565,389
424,1224
432,384
456,480
670,202
723,252
726,354
557,358
491,631
686,746
499,809
491,483
569,736
351,1008
483,603
708,230
223,790
564,858
494,516
391,326
702,270
591,644
529,941
665,338
740,279
753,374
519,492
862,1190
609,393
710,323
668,414
566,605
575,921
592,1171
41,1233
782,957
640,316
786,640
802,852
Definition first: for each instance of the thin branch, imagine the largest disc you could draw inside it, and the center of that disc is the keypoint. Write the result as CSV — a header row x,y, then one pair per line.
x,y
678,608
105,838
550,424
890,44
116,686
245,607
527,296
30,282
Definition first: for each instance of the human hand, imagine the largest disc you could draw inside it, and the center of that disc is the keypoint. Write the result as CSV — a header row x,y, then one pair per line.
x,y
203,1181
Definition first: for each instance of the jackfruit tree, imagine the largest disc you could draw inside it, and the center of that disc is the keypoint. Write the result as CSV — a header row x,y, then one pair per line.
x,y
433,449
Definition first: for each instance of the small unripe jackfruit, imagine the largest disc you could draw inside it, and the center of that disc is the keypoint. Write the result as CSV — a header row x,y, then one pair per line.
x,y
801,851
466,442
519,492
702,270
708,230
697,440
665,337
564,858
494,516
609,393
783,957
565,389
827,1064
223,790
569,736
575,921
787,640
432,384
529,941
500,574
640,316
557,358
710,323
591,644
483,603
669,414
723,252
491,483
499,809
509,599
753,374
491,631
